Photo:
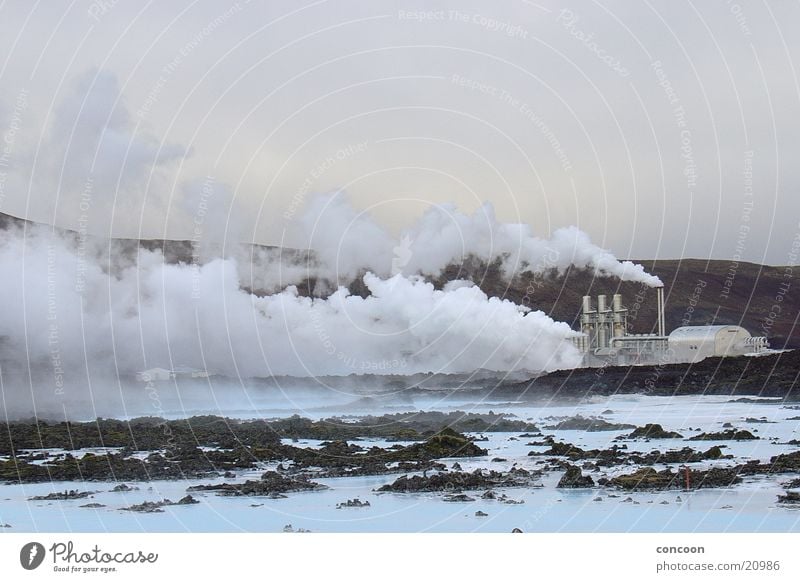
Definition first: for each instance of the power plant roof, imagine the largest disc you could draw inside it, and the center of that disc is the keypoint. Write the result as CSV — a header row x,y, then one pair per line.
x,y
704,332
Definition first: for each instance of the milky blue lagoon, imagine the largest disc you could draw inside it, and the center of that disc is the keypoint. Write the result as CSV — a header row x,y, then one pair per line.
x,y
747,507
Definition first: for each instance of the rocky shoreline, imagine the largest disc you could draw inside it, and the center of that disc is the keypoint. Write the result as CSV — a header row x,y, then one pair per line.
x,y
772,375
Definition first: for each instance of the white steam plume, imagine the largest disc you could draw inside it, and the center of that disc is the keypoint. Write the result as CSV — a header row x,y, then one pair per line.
x,y
62,310
96,168
347,242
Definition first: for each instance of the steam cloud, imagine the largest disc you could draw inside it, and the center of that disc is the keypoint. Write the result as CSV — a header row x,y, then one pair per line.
x,y
63,310
78,306
348,242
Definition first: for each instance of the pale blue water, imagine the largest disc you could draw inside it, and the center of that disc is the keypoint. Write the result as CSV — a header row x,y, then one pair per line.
x,y
748,507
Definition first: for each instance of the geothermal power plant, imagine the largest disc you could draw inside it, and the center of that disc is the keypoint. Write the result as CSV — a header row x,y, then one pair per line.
x,y
604,339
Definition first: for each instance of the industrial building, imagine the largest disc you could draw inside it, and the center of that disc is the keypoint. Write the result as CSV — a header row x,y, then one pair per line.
x,y
604,339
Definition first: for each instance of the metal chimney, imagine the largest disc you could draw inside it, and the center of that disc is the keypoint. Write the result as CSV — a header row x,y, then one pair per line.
x,y
602,322
620,316
660,300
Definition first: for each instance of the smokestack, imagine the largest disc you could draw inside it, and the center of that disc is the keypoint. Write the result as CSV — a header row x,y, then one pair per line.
x,y
602,322
588,321
660,299
620,316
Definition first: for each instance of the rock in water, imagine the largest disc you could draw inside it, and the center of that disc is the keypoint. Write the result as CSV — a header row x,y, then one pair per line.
x,y
353,503
458,498
590,424
148,507
574,479
648,478
461,481
271,484
791,497
726,435
63,495
653,431
155,506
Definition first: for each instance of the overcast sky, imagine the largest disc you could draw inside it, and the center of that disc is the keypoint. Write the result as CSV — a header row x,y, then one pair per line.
x,y
663,129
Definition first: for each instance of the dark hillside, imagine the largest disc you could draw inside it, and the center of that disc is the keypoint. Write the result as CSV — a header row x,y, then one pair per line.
x,y
698,292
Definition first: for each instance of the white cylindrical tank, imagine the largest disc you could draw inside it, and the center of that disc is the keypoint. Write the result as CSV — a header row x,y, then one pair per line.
x,y
602,337
620,316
